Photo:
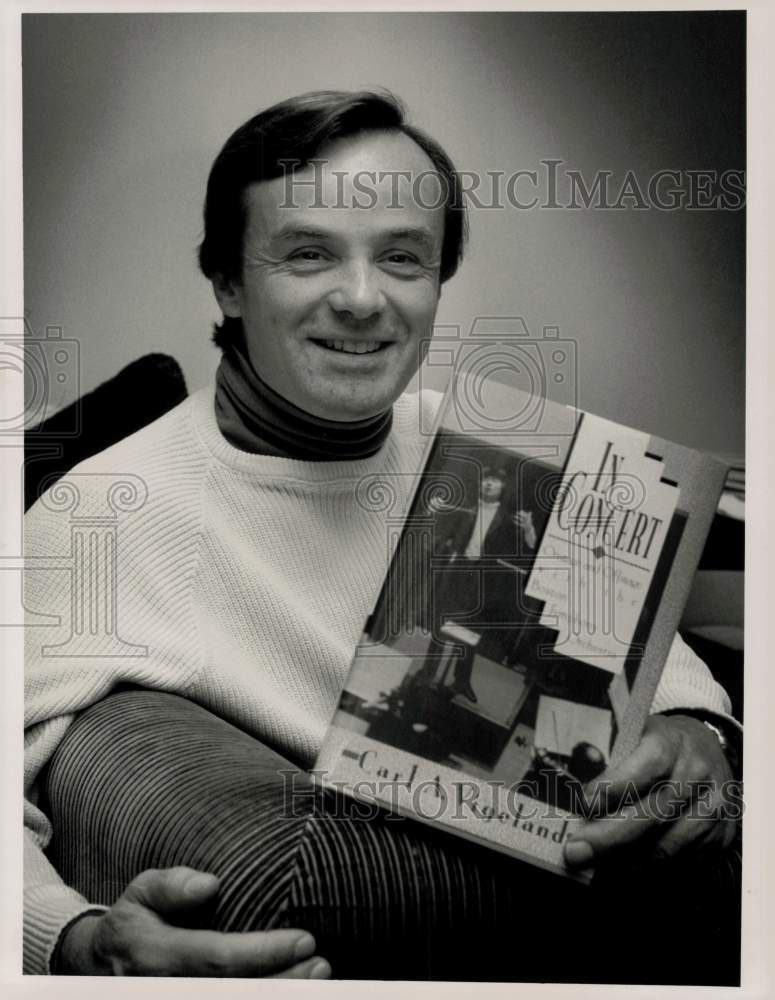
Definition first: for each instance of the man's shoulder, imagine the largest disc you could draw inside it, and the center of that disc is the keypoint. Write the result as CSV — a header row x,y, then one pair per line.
x,y
149,445
155,467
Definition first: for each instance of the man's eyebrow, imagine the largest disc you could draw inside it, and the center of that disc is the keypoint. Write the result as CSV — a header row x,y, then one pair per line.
x,y
301,233
414,234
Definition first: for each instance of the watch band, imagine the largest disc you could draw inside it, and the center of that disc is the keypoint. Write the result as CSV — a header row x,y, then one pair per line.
x,y
723,741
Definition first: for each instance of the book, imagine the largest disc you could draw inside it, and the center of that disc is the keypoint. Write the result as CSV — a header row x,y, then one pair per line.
x,y
534,590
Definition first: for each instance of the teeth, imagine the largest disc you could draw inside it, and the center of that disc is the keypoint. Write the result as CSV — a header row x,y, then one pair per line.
x,y
354,346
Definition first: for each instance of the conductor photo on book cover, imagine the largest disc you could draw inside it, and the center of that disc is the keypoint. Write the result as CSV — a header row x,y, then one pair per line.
x,y
377,634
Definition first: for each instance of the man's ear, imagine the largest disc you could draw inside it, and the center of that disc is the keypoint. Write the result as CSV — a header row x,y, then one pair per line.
x,y
227,293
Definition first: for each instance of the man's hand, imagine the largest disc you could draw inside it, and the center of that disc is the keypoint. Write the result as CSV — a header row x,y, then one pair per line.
x,y
138,937
670,794
524,521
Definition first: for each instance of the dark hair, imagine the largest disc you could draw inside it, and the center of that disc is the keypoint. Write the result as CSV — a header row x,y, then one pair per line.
x,y
495,472
295,130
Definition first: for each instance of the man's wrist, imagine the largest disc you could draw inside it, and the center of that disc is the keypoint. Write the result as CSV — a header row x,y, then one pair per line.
x,y
728,734
74,951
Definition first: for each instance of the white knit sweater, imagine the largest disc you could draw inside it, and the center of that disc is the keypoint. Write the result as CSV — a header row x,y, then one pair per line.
x,y
243,582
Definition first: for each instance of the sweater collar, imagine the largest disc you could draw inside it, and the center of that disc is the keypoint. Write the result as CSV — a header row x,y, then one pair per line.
x,y
256,419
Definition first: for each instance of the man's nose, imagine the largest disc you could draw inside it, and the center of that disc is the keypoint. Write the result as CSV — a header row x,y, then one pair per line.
x,y
358,292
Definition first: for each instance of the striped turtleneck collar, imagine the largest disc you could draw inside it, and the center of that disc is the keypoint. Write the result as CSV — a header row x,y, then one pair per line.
x,y
254,418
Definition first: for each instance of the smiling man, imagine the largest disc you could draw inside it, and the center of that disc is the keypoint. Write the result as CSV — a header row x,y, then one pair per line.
x,y
337,302
247,575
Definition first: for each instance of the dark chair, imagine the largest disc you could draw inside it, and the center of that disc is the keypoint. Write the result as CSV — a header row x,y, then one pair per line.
x,y
137,395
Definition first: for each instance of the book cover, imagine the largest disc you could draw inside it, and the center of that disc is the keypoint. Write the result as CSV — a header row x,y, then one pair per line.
x,y
533,594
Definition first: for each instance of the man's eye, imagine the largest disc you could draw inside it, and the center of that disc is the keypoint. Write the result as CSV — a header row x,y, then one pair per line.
x,y
311,256
401,262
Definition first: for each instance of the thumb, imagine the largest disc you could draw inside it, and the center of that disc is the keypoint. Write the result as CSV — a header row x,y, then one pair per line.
x,y
169,890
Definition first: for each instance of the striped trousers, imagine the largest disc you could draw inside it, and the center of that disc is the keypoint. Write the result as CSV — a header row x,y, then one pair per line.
x,y
150,780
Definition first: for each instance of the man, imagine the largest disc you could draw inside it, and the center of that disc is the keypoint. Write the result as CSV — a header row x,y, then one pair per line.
x,y
250,568
487,528
474,583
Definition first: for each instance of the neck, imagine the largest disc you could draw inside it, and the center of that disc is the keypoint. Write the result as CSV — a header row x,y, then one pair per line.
x,y
255,418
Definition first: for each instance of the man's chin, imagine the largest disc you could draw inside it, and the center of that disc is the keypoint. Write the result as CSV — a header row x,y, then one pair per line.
x,y
351,412
349,399
348,403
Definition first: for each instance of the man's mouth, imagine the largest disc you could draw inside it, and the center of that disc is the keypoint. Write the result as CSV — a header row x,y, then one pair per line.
x,y
353,346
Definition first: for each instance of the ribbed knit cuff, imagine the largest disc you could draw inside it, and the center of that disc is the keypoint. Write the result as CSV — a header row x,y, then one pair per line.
x,y
687,683
47,911
708,700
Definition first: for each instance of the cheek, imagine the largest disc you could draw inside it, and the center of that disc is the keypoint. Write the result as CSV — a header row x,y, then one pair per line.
x,y
279,297
418,304
272,317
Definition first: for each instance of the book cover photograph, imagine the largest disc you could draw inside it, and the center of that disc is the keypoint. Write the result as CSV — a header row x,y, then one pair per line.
x,y
533,595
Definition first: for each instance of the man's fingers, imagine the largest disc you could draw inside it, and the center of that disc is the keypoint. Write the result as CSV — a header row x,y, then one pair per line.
x,y
666,794
247,954
685,832
169,890
143,940
610,833
640,819
703,824
676,811
652,759
313,968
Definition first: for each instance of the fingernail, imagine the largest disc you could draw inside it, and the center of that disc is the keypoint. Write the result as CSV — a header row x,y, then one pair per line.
x,y
578,852
320,970
197,883
304,947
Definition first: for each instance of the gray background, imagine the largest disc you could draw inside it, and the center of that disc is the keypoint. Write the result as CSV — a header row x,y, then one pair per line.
x,y
123,115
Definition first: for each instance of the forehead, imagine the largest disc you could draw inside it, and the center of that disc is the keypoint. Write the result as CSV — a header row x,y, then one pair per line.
x,y
361,185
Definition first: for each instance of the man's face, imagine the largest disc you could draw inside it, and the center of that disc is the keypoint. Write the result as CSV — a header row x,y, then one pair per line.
x,y
337,301
492,487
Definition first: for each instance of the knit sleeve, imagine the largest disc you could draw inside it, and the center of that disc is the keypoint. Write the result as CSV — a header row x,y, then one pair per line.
x,y
55,688
105,604
49,906
686,682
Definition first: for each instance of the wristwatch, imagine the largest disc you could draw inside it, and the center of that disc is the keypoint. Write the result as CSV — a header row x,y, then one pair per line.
x,y
724,742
